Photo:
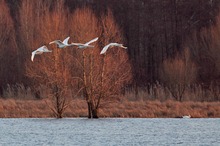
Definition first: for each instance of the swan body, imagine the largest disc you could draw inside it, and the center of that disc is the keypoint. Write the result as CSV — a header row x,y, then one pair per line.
x,y
110,46
186,117
40,51
61,44
86,45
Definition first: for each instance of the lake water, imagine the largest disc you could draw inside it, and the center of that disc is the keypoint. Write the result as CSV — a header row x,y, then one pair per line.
x,y
109,131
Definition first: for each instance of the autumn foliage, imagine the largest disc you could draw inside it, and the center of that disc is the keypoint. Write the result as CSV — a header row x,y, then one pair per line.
x,y
68,72
172,53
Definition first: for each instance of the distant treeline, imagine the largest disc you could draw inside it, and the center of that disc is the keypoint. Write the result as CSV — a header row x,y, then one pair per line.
x,y
161,36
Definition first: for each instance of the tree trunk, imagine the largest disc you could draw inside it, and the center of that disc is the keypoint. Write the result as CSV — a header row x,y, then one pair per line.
x,y
59,116
92,110
58,103
89,110
95,114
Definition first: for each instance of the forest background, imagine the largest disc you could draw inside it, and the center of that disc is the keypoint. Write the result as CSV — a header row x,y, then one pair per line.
x,y
173,54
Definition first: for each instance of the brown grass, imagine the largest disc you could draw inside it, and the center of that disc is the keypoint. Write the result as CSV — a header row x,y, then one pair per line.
x,y
12,108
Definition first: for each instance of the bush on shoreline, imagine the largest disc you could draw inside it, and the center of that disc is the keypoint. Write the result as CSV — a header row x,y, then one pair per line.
x,y
12,108
153,102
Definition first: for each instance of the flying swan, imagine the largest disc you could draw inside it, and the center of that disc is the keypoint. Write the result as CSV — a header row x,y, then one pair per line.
x,y
82,46
110,46
61,44
39,51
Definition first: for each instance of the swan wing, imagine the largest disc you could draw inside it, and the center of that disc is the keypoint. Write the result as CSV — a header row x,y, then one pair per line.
x,y
105,48
65,42
32,56
77,44
41,49
58,42
93,40
90,46
45,49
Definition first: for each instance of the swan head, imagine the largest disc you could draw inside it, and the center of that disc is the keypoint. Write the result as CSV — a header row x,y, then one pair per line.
x,y
121,45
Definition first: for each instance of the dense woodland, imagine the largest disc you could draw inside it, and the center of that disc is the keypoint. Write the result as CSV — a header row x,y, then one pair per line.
x,y
172,44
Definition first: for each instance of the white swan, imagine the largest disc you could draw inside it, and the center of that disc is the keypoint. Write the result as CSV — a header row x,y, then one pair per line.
x,y
110,46
39,51
61,44
82,46
186,117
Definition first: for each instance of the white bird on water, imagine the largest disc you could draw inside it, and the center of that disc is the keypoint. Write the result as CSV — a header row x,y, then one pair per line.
x,y
82,46
110,46
40,51
186,117
62,44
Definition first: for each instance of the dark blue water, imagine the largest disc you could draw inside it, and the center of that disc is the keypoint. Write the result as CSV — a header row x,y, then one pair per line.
x,y
109,131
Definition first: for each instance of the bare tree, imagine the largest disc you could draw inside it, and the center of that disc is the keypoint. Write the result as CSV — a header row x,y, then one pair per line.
x,y
215,46
5,23
8,72
52,69
102,76
115,65
177,74
214,53
86,28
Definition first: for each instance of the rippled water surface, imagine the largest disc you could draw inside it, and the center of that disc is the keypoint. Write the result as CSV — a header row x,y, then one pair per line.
x,y
109,131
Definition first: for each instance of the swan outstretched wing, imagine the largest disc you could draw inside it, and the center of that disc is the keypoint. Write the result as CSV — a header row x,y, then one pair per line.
x,y
77,44
65,42
93,40
105,48
39,51
58,42
111,44
45,49
32,56
80,45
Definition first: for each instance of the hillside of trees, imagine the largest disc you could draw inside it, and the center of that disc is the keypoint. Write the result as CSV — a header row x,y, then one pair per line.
x,y
173,45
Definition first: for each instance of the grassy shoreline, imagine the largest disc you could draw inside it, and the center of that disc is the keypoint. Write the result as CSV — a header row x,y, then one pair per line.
x,y
20,108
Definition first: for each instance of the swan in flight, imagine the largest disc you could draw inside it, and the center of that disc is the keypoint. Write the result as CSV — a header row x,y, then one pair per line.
x,y
110,46
82,46
39,51
186,117
61,44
